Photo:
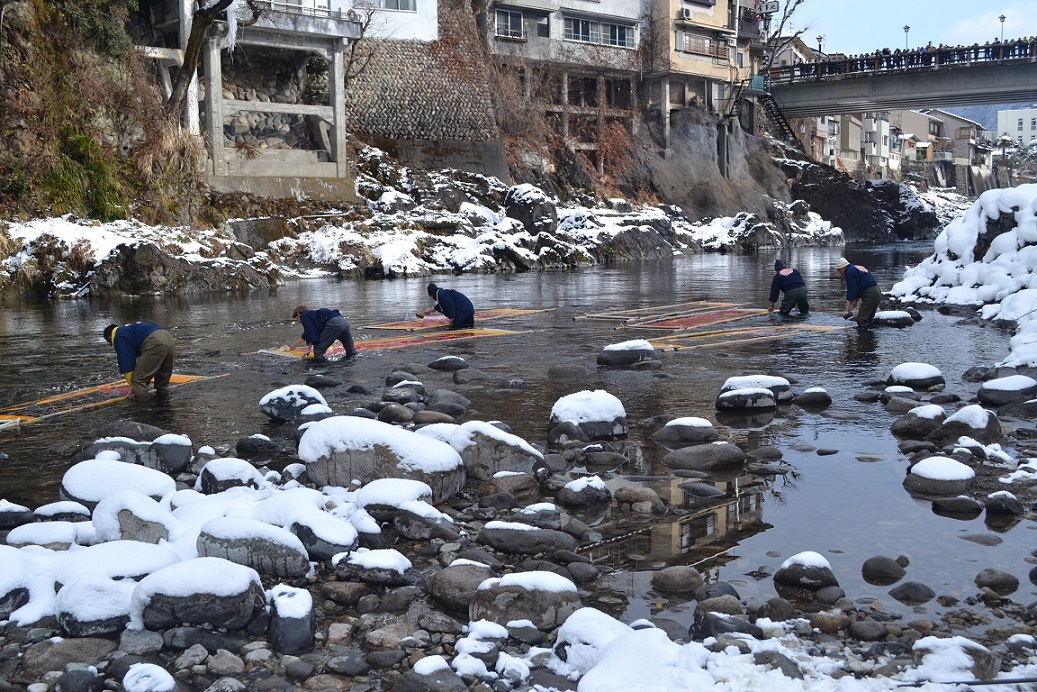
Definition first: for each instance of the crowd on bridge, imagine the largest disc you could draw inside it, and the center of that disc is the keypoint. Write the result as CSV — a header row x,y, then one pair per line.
x,y
926,57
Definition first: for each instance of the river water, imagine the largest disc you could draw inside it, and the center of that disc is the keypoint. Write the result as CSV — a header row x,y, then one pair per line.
x,y
847,506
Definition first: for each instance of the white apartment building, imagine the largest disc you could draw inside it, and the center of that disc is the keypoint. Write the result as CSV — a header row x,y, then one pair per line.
x,y
1019,124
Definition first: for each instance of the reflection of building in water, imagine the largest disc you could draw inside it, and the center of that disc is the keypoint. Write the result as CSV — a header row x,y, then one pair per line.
x,y
696,528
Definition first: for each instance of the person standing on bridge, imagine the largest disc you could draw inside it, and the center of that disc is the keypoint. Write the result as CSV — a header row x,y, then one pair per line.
x,y
861,289
790,282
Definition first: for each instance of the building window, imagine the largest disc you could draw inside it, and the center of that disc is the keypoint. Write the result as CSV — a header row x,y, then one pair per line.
x,y
509,24
704,45
1033,123
404,5
589,31
618,35
543,28
583,30
1020,124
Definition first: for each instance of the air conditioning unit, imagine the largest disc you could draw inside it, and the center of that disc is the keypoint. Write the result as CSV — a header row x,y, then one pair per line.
x,y
686,14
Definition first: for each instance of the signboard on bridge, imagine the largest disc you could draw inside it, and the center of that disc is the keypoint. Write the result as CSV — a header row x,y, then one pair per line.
x,y
767,7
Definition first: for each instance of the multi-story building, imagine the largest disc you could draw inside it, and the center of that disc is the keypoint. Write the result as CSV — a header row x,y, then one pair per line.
x,y
1019,124
923,136
875,144
699,53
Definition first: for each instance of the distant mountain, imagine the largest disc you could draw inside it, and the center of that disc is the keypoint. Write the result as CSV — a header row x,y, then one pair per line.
x,y
986,114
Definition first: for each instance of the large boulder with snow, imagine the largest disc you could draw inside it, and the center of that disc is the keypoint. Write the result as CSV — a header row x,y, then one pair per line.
x,y
293,622
522,539
778,386
1007,390
485,449
893,318
917,423
293,401
382,567
597,413
685,432
339,449
544,598
970,421
220,474
89,481
584,492
455,586
265,548
131,515
203,592
627,353
531,206
324,535
918,376
748,399
938,476
167,453
807,570
94,605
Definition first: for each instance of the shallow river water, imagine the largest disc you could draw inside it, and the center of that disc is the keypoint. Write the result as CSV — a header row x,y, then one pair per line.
x,y
847,506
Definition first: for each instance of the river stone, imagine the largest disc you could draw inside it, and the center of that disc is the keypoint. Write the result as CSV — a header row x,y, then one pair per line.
x,y
714,624
543,598
811,577
439,680
56,654
717,455
323,535
960,504
679,579
900,404
79,680
12,515
937,476
133,430
917,376
422,526
1004,503
449,363
814,398
395,414
919,422
882,571
867,630
523,487
519,539
287,404
627,353
1001,583
256,447
339,449
455,586
893,318
1007,390
748,399
588,491
222,474
972,421
293,622
385,567
685,432
912,593
701,491
779,387
182,638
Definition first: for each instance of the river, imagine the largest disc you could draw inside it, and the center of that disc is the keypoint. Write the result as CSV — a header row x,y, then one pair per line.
x,y
847,506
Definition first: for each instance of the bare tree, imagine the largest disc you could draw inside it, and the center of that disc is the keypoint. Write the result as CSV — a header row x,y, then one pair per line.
x,y
360,52
777,40
204,16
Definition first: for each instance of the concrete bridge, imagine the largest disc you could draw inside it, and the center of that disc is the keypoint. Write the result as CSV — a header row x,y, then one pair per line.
x,y
955,76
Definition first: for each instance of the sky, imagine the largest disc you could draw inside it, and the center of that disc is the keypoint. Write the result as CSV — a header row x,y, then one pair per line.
x,y
856,26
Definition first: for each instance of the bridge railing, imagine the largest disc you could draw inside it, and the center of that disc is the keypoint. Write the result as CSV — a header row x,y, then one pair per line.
x,y
1023,50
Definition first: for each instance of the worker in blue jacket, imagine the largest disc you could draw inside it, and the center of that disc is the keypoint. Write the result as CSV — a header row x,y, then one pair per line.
x,y
790,282
453,304
320,329
145,351
861,290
